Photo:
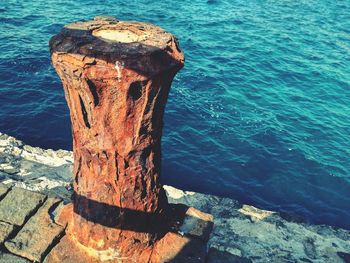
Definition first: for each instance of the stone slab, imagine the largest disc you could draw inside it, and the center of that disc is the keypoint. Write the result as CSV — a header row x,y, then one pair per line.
x,y
5,230
197,224
38,235
19,204
9,258
3,190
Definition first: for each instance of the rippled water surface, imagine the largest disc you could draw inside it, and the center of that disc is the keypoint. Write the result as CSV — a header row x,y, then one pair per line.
x,y
260,112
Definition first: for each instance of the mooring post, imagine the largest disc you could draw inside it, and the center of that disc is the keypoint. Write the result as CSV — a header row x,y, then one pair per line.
x,y
116,77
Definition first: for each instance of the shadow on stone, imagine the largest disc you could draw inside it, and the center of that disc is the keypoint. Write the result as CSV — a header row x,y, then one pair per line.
x,y
344,256
128,219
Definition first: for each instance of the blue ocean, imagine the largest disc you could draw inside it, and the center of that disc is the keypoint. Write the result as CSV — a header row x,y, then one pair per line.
x,y
260,113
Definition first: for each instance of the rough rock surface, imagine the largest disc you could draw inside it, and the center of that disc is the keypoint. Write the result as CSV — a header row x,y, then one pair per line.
x,y
197,224
218,256
249,233
4,189
38,235
18,205
36,169
9,258
236,235
5,230
116,77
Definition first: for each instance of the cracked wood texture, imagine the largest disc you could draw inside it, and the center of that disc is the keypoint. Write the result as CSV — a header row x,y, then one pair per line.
x,y
116,77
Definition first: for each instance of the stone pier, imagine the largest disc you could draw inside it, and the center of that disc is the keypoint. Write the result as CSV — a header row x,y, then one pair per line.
x,y
116,77
31,231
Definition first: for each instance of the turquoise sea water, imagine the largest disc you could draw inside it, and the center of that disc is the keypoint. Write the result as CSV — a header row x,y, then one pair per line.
x,y
260,112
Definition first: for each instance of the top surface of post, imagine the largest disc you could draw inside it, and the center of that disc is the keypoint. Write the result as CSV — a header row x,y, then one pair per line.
x,y
109,39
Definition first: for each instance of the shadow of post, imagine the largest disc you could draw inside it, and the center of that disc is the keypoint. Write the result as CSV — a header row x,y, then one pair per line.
x,y
174,247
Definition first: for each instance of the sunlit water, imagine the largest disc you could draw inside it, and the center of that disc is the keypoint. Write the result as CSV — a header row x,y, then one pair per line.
x,y
260,112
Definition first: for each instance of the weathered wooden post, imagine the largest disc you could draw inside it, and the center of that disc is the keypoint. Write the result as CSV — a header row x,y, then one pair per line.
x,y
116,77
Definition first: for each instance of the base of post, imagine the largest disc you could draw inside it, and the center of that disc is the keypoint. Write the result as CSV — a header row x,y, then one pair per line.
x,y
184,242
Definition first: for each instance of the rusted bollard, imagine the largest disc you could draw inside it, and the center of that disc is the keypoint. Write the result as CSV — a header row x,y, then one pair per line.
x,y
116,77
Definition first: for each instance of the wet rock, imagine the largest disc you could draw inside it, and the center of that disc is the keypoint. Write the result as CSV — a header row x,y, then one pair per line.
x,y
19,204
38,235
